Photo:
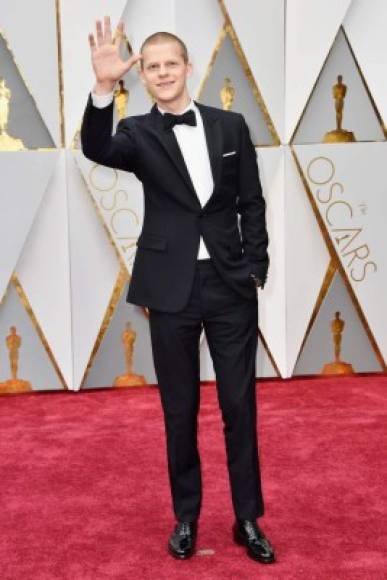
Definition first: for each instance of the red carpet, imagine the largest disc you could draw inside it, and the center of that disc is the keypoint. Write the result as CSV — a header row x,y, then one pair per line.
x,y
84,492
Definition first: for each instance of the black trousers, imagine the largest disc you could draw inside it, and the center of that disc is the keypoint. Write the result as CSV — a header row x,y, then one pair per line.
x,y
231,326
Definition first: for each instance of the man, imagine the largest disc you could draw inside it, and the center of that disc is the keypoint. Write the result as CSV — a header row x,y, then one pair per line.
x,y
194,267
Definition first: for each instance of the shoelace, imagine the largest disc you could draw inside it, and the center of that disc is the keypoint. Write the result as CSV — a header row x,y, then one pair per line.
x,y
183,528
253,532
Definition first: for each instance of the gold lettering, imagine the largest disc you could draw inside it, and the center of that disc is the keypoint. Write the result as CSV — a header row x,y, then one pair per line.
x,y
311,164
321,171
355,231
115,199
338,202
121,211
356,255
93,175
331,192
364,271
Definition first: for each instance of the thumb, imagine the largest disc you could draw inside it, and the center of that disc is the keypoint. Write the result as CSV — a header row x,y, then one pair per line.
x,y
132,61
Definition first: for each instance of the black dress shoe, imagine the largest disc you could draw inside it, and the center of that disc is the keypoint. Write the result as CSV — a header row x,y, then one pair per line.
x,y
183,539
247,533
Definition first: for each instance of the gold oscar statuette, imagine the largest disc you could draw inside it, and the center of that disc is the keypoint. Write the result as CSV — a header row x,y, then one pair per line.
x,y
7,143
337,367
121,98
339,135
14,385
227,94
121,94
129,379
125,40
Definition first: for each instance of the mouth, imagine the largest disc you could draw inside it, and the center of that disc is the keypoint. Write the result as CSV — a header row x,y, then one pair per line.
x,y
165,84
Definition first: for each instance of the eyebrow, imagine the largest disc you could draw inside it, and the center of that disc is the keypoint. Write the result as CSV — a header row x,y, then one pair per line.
x,y
172,59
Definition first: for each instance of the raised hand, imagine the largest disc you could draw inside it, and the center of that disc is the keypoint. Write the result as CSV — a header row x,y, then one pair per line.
x,y
107,63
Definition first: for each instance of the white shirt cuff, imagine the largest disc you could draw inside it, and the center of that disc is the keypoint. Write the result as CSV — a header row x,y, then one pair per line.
x,y
101,101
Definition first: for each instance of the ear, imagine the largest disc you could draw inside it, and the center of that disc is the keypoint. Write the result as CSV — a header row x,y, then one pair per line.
x,y
189,69
141,75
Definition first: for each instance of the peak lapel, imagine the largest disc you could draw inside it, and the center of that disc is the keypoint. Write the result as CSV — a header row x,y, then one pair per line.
x,y
169,142
213,132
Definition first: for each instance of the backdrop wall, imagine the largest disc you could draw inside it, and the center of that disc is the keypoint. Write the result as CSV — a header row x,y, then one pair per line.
x,y
68,228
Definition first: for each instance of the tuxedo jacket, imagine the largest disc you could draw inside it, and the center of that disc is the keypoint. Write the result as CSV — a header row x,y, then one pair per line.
x,y
174,219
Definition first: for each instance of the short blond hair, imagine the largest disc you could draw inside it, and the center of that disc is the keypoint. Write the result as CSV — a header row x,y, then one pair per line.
x,y
159,37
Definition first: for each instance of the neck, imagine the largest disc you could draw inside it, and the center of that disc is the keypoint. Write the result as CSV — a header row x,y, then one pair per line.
x,y
177,105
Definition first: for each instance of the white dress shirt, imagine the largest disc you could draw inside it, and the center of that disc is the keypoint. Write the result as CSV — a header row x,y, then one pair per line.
x,y
193,146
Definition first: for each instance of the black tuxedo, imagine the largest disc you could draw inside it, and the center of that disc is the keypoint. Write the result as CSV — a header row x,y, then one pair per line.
x,y
174,218
185,295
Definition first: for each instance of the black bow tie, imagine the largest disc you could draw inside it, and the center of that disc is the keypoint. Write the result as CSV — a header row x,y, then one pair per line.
x,y
187,118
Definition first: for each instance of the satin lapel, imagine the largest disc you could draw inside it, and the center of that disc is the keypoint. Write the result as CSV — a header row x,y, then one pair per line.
x,y
213,132
169,142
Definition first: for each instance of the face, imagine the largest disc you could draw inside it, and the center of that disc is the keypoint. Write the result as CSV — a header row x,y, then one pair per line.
x,y
164,72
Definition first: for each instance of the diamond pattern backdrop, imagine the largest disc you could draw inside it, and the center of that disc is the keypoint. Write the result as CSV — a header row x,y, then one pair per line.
x,y
69,228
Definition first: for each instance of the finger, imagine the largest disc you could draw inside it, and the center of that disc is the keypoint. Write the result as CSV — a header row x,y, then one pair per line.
x,y
99,33
135,58
92,42
132,60
108,30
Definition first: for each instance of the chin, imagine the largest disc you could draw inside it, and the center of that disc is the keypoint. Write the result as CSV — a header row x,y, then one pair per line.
x,y
167,98
173,93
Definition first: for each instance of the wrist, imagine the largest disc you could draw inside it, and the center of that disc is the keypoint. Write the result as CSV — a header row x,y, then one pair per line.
x,y
103,88
258,281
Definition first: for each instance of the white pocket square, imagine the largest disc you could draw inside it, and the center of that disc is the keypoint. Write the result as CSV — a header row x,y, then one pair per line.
x,y
229,153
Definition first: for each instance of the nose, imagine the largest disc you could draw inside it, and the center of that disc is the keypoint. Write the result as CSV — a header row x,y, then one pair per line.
x,y
162,71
